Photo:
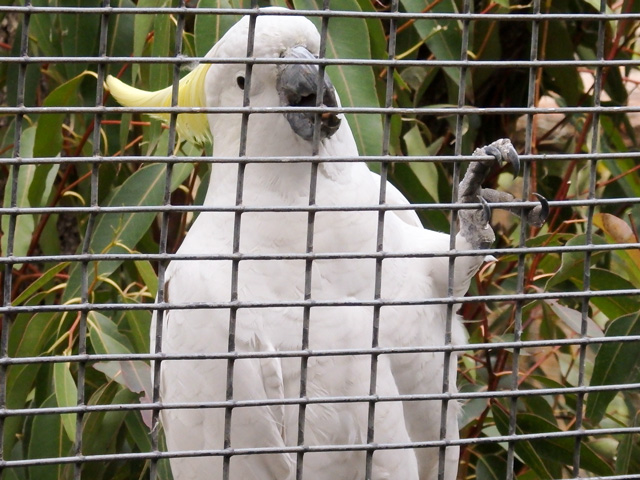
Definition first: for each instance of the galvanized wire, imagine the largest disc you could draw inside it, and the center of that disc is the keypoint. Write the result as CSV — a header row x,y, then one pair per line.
x,y
85,304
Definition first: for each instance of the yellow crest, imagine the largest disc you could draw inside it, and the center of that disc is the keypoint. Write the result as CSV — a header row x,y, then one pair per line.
x,y
193,127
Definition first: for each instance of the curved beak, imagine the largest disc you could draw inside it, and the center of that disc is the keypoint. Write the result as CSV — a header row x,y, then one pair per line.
x,y
297,86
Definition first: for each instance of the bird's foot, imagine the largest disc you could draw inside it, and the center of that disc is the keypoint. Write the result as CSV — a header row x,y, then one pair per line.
x,y
474,224
536,215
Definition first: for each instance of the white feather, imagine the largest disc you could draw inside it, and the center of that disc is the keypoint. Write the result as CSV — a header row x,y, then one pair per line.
x,y
280,328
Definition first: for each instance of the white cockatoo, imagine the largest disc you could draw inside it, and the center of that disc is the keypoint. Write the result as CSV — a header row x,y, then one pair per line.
x,y
269,313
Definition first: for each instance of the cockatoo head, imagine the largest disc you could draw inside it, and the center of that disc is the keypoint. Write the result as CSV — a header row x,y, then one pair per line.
x,y
286,39
279,84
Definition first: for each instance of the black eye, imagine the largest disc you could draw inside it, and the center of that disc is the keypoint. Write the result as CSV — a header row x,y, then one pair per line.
x,y
240,81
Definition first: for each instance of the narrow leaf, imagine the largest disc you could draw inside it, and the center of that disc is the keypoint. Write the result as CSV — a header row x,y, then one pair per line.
x,y
615,363
572,267
113,232
625,455
48,440
24,224
426,172
66,394
573,319
48,141
39,283
30,336
209,29
524,449
444,38
547,455
105,337
78,45
148,275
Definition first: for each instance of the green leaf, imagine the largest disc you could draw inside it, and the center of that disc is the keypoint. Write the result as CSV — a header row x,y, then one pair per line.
x,y
48,141
573,319
524,449
66,394
24,224
572,267
491,463
560,449
209,29
407,181
29,336
565,81
596,6
48,439
426,172
627,183
160,74
619,231
142,28
549,454
121,31
135,326
377,35
444,38
615,363
133,374
617,305
39,283
148,275
355,84
138,430
105,337
73,43
102,432
119,233
625,456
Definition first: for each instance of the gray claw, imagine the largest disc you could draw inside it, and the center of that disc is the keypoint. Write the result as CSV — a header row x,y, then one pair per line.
x,y
486,210
514,160
494,151
539,214
512,156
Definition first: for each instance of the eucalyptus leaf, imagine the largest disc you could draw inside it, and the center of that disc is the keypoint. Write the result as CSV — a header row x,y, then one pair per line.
x,y
24,224
209,29
615,363
119,233
66,393
48,439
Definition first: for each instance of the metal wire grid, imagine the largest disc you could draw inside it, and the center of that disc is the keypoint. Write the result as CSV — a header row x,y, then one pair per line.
x,y
85,257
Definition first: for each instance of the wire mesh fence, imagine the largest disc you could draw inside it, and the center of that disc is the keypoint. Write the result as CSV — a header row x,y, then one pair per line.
x,y
252,302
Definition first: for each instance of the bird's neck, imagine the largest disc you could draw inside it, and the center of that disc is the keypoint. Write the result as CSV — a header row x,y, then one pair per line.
x,y
261,184
283,181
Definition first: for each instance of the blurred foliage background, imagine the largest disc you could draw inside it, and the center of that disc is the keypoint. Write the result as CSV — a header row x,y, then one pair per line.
x,y
560,178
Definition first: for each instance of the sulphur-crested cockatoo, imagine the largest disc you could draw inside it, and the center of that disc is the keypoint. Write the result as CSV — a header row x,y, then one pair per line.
x,y
269,313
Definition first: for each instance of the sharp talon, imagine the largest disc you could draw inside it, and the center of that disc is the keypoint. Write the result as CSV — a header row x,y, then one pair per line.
x,y
514,160
486,210
544,208
512,157
494,152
